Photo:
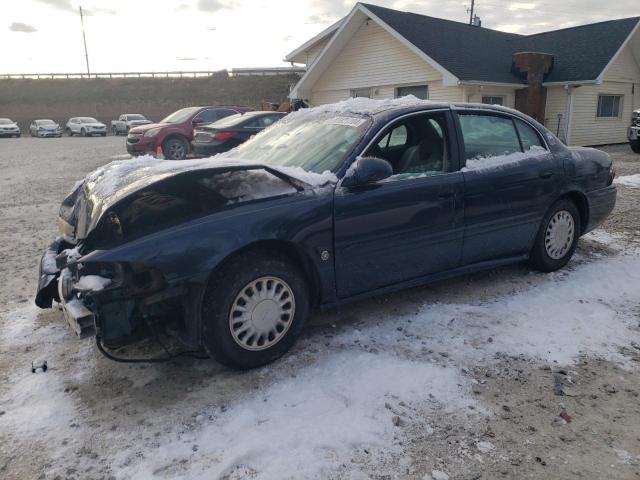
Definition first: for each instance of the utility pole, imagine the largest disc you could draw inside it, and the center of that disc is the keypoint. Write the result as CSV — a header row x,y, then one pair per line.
x,y
471,10
84,39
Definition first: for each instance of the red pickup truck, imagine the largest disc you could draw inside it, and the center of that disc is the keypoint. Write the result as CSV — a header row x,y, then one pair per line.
x,y
175,133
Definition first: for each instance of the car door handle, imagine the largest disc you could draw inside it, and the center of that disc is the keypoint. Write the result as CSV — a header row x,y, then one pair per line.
x,y
446,195
545,174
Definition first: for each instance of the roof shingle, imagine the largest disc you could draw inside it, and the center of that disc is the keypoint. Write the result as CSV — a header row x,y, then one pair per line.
x,y
481,54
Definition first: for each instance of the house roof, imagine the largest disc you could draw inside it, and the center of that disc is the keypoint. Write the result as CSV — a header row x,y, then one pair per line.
x,y
481,54
478,54
470,53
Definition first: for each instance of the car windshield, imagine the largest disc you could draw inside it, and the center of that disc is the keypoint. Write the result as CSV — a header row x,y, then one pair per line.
x,y
45,122
5,121
135,117
314,143
181,115
227,121
87,120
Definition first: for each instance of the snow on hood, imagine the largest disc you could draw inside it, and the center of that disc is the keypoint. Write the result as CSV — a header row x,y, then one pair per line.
x,y
488,163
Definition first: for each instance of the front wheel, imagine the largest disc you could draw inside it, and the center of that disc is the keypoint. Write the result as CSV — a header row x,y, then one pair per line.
x,y
253,310
175,149
557,238
115,132
83,133
635,145
69,132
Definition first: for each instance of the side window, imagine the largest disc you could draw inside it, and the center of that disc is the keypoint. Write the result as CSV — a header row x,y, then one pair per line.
x,y
209,116
488,136
528,136
395,138
417,146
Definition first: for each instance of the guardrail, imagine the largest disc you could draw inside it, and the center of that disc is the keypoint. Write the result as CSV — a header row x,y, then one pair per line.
x,y
237,72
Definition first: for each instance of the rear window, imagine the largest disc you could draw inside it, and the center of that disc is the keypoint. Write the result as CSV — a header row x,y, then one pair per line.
x,y
488,136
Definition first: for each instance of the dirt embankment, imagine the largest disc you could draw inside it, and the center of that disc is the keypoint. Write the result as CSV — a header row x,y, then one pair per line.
x,y
28,99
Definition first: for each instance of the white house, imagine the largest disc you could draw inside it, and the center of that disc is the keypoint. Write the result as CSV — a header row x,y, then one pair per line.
x,y
581,82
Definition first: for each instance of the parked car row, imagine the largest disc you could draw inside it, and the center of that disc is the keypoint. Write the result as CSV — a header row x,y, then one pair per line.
x,y
174,133
83,126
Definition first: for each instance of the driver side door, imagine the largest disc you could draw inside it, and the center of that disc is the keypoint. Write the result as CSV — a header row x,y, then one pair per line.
x,y
407,226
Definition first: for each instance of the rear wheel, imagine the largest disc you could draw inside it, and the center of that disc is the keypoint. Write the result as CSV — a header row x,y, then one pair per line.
x,y
175,149
635,145
557,238
253,310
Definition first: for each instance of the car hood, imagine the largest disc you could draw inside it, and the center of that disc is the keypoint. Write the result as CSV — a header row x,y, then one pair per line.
x,y
107,186
49,127
147,127
93,124
9,125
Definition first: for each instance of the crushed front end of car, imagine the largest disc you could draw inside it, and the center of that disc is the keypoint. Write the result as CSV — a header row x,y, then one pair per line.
x,y
122,267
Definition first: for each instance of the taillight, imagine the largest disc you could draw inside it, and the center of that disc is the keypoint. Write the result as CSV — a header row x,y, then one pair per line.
x,y
612,174
222,136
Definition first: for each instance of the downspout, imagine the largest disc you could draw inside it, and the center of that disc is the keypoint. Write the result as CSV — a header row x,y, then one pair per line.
x,y
569,114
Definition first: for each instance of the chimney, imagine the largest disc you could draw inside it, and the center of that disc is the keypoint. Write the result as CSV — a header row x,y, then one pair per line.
x,y
532,66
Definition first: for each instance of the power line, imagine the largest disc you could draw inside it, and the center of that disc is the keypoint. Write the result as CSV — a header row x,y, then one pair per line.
x,y
473,4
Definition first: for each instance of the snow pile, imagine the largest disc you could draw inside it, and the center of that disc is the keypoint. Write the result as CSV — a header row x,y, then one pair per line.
x,y
358,106
312,178
308,423
487,163
92,282
632,181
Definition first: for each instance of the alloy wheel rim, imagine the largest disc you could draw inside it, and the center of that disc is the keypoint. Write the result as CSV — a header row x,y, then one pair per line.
x,y
559,234
176,150
262,313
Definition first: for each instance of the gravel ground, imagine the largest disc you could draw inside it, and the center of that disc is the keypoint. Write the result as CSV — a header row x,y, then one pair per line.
x,y
498,414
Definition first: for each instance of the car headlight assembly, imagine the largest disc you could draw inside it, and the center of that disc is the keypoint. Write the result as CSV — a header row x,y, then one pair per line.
x,y
152,133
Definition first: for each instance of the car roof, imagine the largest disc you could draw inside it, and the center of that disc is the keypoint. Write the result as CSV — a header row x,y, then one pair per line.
x,y
43,120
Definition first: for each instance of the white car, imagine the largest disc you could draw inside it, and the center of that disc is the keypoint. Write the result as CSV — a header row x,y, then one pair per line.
x,y
9,128
45,128
85,126
127,121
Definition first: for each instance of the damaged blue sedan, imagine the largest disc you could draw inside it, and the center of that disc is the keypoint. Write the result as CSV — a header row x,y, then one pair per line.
x,y
329,205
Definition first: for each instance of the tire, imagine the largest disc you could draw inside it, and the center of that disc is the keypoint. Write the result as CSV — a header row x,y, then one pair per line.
x,y
115,132
69,132
553,251
228,288
175,149
83,133
635,146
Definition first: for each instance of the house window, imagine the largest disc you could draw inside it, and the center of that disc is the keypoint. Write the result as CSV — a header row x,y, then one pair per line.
x,y
361,92
493,99
610,106
419,91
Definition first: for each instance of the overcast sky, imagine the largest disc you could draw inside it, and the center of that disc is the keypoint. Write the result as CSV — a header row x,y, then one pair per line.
x,y
160,35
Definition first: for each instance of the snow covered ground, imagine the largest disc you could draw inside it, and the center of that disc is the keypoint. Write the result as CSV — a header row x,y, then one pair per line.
x,y
454,380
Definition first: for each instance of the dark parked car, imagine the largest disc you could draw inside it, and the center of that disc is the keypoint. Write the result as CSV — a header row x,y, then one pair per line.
x,y
232,131
174,133
329,205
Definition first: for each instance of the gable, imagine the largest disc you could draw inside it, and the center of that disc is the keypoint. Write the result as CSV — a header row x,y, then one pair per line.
x,y
624,68
373,58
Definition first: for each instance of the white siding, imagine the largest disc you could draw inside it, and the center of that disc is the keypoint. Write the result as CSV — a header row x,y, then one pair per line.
x,y
374,58
624,68
329,96
314,51
556,104
440,93
475,94
586,128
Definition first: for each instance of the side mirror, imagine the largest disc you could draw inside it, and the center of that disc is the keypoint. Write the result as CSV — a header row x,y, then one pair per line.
x,y
197,121
367,170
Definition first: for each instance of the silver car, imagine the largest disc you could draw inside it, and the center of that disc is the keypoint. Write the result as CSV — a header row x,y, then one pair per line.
x,y
9,128
45,128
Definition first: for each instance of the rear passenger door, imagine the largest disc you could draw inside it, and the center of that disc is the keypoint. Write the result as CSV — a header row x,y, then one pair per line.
x,y
510,179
